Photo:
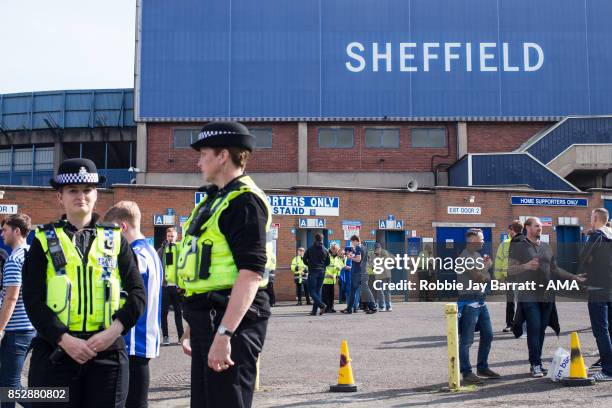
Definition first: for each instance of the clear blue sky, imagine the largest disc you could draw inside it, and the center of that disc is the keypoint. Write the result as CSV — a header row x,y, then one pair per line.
x,y
66,44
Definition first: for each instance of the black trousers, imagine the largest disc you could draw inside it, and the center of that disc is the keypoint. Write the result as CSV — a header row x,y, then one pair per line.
x,y
138,393
302,287
170,296
509,308
232,388
328,295
270,290
101,382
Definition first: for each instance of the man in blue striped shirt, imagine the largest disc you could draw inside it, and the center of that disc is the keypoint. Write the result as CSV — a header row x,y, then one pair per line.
x,y
16,331
143,339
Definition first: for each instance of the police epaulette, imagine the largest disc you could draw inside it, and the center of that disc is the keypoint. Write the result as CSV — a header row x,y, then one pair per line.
x,y
52,225
111,225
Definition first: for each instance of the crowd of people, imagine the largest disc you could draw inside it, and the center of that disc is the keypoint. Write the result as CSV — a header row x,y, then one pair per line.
x,y
90,297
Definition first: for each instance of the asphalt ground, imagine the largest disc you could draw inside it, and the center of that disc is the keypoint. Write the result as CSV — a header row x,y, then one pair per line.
x,y
399,359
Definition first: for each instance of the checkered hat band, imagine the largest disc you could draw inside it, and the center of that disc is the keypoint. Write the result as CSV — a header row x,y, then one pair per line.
x,y
204,135
77,178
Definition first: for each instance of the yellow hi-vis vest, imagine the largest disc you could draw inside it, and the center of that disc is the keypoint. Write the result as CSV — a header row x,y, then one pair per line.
x,y
501,259
222,270
86,293
336,263
170,260
298,267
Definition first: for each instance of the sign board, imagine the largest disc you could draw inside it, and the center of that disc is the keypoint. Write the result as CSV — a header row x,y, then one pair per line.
x,y
550,201
304,205
311,223
390,224
163,219
464,210
274,227
199,196
182,220
350,230
546,221
342,59
8,209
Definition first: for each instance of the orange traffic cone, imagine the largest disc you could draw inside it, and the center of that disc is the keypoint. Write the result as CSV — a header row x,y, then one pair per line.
x,y
345,373
578,373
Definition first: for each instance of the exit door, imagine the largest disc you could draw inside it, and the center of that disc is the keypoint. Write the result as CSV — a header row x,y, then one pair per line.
x,y
568,247
395,243
450,241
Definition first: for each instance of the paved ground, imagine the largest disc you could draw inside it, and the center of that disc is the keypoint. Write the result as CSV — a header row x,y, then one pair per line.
x,y
399,360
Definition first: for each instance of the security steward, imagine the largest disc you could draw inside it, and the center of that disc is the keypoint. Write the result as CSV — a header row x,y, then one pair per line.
x,y
299,269
225,258
82,290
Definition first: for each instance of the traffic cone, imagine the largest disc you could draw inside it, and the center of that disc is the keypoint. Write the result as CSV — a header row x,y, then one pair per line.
x,y
578,373
345,373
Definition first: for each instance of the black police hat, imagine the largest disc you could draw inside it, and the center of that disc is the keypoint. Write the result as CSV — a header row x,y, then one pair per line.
x,y
225,134
76,171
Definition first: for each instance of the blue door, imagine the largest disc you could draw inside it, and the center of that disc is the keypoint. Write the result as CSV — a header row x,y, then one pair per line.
x,y
450,242
395,243
608,206
310,233
568,247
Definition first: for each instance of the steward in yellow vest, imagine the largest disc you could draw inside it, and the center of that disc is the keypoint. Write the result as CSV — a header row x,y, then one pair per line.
x,y
82,289
224,260
171,293
300,276
336,263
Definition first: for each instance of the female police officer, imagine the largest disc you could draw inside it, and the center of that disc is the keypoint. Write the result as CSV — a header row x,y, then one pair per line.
x,y
224,260
72,279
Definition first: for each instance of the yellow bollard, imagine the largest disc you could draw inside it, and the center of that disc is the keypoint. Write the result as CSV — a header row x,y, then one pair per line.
x,y
452,334
257,373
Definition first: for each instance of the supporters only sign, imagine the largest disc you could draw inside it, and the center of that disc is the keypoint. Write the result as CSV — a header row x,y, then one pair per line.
x,y
304,205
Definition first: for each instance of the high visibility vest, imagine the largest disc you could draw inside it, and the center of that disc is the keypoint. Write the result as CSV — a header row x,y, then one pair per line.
x,y
86,293
219,270
336,263
170,260
501,259
298,267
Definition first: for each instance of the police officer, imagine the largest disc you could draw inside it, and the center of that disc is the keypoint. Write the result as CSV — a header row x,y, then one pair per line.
x,y
171,293
73,279
224,260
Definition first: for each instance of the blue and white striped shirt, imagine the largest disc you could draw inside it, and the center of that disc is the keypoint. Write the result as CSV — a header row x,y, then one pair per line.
x,y
143,339
11,276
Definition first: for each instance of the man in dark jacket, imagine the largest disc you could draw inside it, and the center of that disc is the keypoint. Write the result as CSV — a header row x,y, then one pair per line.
x,y
596,261
317,259
531,260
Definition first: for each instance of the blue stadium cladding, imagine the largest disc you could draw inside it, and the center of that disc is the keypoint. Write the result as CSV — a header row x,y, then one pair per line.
x,y
284,60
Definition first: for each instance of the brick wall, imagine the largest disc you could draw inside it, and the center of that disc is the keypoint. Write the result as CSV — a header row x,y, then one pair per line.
x,y
418,210
501,137
163,157
361,158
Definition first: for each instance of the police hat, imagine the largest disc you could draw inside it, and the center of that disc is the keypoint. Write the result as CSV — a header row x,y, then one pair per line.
x,y
76,171
225,134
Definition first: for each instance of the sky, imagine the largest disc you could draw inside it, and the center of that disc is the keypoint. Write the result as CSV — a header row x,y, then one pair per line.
x,y
66,44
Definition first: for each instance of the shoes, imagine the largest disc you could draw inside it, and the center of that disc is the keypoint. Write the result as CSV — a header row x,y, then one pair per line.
x,y
298,304
602,377
371,311
346,311
536,371
389,309
308,302
487,373
331,311
312,313
596,365
508,329
166,341
471,379
322,308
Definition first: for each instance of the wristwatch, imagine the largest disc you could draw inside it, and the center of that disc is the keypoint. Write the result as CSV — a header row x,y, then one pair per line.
x,y
223,331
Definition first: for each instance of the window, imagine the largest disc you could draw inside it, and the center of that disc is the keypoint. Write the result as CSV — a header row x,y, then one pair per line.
x,y
336,138
5,160
43,158
428,137
185,137
22,160
382,137
263,137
